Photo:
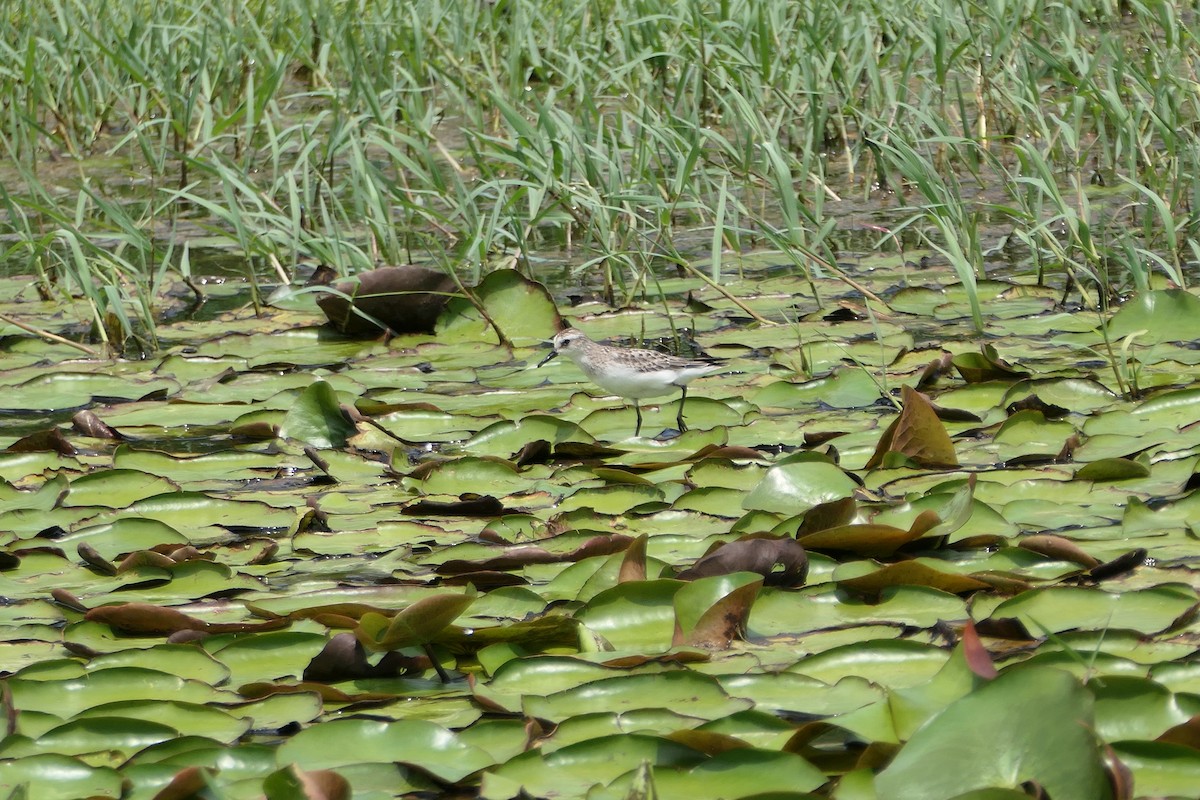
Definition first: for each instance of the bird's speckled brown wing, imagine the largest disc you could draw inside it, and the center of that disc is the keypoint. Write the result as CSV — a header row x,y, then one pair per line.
x,y
650,360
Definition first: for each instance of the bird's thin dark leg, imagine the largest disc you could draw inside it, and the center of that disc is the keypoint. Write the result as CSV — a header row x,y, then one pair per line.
x,y
637,410
679,419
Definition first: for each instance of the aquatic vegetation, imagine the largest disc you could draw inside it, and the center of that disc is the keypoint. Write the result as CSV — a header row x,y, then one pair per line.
x,y
932,531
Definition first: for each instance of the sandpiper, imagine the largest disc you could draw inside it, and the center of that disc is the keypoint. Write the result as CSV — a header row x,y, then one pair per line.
x,y
631,372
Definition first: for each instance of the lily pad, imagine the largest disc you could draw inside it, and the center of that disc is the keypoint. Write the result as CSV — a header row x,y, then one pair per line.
x,y
794,487
1053,747
432,747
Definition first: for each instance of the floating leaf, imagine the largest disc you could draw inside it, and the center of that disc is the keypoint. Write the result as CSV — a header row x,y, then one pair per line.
x,y
954,753
916,433
1062,608
1171,315
845,388
575,769
521,308
492,475
418,624
1058,547
433,748
985,366
827,515
404,299
1112,469
958,510
740,772
58,777
70,696
760,554
143,618
870,539
795,487
634,615
316,418
725,619
294,783
682,690
913,573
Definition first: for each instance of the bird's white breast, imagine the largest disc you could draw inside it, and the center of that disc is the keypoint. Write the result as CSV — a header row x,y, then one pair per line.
x,y
625,380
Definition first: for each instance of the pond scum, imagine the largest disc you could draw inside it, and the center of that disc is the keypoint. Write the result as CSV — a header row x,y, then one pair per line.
x,y
931,533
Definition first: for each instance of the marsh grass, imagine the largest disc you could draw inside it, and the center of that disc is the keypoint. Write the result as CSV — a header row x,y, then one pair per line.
x,y
622,136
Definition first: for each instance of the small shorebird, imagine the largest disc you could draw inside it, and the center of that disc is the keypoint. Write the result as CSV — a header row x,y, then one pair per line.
x,y
631,372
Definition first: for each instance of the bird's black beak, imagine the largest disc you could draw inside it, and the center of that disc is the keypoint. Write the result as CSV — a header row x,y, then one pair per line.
x,y
551,355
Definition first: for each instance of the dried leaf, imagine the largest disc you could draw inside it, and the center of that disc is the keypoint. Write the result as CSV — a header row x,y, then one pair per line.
x,y
144,558
912,573
50,440
468,505
1119,565
827,515
145,619
917,434
726,619
93,559
1058,548
344,659
976,654
870,539
1185,733
188,784
87,423
516,557
404,299
633,565
755,553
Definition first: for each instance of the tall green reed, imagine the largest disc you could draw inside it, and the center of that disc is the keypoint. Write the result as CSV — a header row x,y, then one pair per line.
x,y
471,135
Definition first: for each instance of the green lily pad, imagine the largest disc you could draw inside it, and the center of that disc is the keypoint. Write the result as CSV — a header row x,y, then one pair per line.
x,y
268,656
845,388
635,615
115,488
734,773
112,539
58,777
572,771
1063,608
953,753
72,696
89,735
1112,469
316,419
521,308
891,663
199,719
1160,770
1172,315
479,475
684,692
432,747
796,486
1134,708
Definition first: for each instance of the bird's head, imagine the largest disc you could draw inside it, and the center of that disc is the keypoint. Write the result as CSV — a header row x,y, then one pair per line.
x,y
564,342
